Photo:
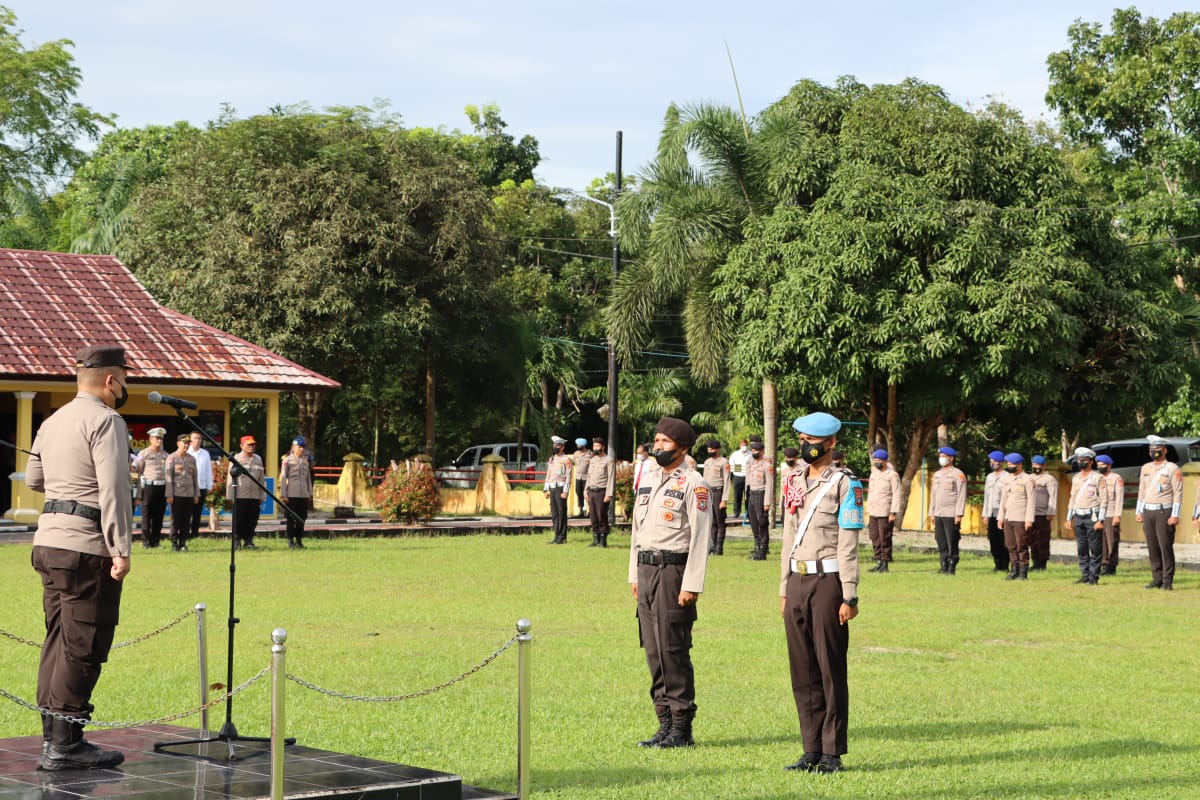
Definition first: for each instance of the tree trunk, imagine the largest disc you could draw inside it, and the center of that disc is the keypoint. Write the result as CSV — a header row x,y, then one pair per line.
x,y
770,401
308,408
893,410
872,418
430,405
922,433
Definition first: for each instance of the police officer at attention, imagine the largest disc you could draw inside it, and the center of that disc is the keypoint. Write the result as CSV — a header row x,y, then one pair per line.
x,y
883,504
81,550
719,477
557,487
947,504
1114,490
247,495
183,492
152,469
1046,493
1159,503
1086,510
580,458
819,590
295,490
993,484
1017,506
758,473
668,555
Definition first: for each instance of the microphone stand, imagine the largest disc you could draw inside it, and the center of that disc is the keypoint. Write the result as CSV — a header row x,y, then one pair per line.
x,y
228,732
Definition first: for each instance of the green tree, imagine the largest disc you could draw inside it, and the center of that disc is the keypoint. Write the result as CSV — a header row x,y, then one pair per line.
x,y
498,156
644,398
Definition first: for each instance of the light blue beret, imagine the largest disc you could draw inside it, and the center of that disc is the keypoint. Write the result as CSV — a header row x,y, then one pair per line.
x,y
818,424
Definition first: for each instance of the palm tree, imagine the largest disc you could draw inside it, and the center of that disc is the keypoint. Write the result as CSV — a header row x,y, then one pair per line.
x,y
645,397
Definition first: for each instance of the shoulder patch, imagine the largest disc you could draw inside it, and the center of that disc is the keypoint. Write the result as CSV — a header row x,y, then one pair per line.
x,y
850,513
702,498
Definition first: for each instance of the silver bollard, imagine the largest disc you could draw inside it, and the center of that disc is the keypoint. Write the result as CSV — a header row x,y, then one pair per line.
x,y
278,681
523,640
202,646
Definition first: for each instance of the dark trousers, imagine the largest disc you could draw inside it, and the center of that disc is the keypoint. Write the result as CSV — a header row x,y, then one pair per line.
x,y
1160,541
154,505
739,493
295,527
817,645
719,514
666,636
947,533
245,519
1087,546
880,530
82,605
181,520
1111,546
1041,540
996,543
558,512
581,494
598,511
197,512
758,518
1017,541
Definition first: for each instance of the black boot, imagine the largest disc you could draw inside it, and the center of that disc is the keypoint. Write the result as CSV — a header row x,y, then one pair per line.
x,y
680,734
604,540
883,565
1012,573
1023,574
69,750
944,568
664,727
952,565
595,540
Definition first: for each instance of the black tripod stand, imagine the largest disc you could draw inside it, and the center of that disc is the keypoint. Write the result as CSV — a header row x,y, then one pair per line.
x,y
228,732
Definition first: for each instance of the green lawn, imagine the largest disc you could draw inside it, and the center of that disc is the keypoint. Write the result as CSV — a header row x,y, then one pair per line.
x,y
962,687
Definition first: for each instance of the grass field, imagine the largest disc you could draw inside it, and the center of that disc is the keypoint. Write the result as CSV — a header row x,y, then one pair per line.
x,y
963,687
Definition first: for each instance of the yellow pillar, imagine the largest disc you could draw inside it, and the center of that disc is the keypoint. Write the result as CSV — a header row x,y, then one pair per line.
x,y
272,455
26,504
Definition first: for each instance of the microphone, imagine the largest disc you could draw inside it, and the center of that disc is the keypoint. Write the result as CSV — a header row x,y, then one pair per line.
x,y
174,402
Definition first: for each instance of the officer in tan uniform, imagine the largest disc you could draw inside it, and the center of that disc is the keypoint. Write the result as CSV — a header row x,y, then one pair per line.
x,y
791,461
81,550
247,495
668,555
947,505
183,492
883,504
601,482
295,490
1017,507
580,458
152,469
1160,500
1114,490
758,473
1086,510
1045,495
818,590
557,486
719,477
992,486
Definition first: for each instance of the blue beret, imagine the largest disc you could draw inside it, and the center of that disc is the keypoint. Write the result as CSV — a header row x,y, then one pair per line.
x,y
1015,458
818,424
880,454
947,451
996,455
581,442
300,441
1038,459
1105,460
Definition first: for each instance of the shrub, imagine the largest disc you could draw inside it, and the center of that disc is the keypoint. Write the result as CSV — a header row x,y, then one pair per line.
x,y
624,495
409,494
217,497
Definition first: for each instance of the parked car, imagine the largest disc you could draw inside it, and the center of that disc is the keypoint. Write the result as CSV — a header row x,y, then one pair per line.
x,y
463,472
1129,455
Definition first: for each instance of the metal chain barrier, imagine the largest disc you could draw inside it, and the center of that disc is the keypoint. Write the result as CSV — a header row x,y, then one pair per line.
x,y
142,638
412,695
143,723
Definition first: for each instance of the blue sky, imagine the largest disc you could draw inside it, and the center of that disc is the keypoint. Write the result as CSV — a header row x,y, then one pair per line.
x,y
569,73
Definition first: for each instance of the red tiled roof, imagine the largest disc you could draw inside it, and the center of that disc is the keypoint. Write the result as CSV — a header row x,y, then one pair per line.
x,y
51,304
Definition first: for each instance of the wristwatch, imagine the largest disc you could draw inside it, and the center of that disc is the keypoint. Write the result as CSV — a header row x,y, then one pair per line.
x,y
852,602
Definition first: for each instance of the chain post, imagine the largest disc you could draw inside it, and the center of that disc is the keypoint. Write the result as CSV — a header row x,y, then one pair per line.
x,y
523,640
202,660
278,683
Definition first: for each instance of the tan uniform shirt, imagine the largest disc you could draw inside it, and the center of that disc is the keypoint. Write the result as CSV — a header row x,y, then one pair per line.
x,y
83,455
558,472
181,476
295,477
1114,494
581,457
717,475
601,473
1160,483
244,488
993,484
1087,495
883,493
948,495
758,470
1017,500
672,513
827,535
1045,494
152,466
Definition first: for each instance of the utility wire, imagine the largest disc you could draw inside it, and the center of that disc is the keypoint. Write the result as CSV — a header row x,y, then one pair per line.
x,y
605,347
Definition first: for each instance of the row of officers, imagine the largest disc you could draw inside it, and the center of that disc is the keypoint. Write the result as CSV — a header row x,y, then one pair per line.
x,y
176,481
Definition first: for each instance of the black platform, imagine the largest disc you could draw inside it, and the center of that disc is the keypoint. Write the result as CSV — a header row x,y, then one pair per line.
x,y
202,771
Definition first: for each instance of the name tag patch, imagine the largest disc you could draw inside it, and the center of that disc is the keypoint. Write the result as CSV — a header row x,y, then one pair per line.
x,y
678,495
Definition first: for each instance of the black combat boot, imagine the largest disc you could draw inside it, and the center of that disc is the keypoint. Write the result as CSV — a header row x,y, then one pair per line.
x,y
664,727
884,565
1012,573
69,750
877,566
944,568
952,566
595,540
1023,574
680,734
604,540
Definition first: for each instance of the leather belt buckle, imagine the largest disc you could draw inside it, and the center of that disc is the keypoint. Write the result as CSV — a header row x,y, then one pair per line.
x,y
800,567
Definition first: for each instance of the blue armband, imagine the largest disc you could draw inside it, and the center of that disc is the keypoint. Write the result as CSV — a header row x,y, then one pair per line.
x,y
850,513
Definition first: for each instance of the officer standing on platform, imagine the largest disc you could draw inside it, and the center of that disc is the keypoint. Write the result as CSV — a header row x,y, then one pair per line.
x,y
183,492
1160,501
758,472
295,490
81,550
992,486
883,504
580,458
247,496
557,487
152,467
718,476
819,591
1114,491
668,556
1086,510
1045,495
1017,507
947,504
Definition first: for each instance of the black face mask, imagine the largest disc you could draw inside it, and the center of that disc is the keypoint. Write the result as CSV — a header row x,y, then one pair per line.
x,y
665,457
756,453
558,448
812,451
1010,467
712,453
1158,455
791,462
1102,467
123,398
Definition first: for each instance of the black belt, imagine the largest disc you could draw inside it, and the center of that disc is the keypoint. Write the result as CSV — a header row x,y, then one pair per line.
x,y
658,559
597,489
71,507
